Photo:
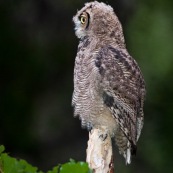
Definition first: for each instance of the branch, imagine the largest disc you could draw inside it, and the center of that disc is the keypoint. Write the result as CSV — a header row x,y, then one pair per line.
x,y
99,151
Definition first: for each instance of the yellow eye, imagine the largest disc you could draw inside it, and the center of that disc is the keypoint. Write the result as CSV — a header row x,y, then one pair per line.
x,y
83,19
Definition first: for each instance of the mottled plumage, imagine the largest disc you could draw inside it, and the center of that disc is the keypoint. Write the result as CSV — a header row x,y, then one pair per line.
x,y
109,88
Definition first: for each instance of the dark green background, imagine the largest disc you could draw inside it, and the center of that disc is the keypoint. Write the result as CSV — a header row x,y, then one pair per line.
x,y
37,53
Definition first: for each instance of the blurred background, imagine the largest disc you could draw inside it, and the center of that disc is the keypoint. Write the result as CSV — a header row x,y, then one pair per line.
x,y
37,53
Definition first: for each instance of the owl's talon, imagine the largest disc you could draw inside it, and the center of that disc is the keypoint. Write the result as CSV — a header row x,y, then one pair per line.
x,y
103,136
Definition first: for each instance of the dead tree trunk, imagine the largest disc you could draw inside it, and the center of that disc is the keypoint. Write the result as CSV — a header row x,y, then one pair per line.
x,y
99,151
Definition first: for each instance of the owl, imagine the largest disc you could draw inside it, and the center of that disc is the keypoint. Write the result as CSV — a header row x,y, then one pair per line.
x,y
109,88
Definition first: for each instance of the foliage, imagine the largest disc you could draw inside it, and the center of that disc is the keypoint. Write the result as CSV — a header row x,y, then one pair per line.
x,y
9,164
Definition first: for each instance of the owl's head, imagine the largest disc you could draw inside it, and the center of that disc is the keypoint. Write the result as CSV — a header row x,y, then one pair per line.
x,y
98,20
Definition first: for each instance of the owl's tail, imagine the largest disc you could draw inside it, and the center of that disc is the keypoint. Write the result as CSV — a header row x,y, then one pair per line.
x,y
124,146
127,153
131,150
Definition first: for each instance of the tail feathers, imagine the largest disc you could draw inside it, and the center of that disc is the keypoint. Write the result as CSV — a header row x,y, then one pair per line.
x,y
127,153
128,156
126,147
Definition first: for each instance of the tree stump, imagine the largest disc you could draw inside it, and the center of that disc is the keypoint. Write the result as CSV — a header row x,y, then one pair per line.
x,y
99,151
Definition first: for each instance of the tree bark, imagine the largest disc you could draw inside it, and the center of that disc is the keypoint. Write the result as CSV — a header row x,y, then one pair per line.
x,y
99,151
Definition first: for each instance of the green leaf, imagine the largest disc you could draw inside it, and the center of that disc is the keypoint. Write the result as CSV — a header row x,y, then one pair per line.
x,y
9,164
2,148
12,165
74,167
54,170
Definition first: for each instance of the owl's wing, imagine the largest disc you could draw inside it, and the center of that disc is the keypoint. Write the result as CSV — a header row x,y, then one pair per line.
x,y
123,89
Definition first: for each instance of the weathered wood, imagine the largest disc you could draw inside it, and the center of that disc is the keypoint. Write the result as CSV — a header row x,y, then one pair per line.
x,y
99,151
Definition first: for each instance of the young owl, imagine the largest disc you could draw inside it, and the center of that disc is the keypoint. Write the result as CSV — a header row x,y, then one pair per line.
x,y
109,88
